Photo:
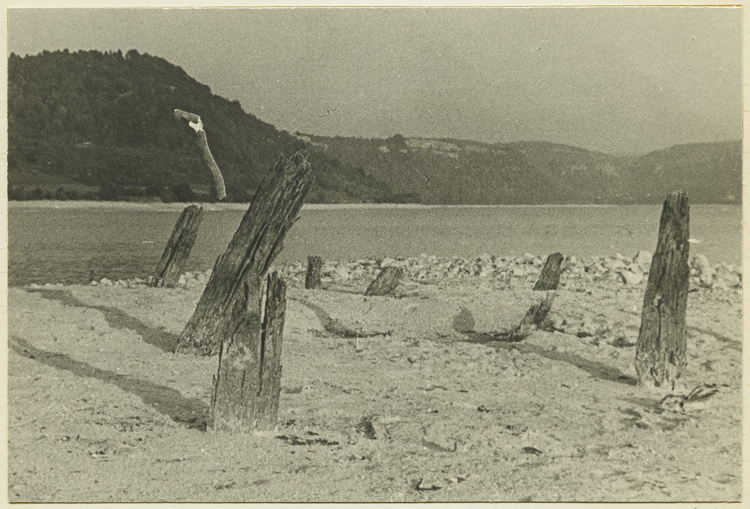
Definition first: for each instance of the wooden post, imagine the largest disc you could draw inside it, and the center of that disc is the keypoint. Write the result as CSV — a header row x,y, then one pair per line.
x,y
178,248
197,125
661,349
550,276
534,318
312,278
256,243
386,282
247,386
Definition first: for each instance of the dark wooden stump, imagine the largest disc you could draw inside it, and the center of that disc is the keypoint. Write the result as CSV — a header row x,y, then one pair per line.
x,y
386,282
253,248
247,385
534,318
550,276
312,278
661,349
178,248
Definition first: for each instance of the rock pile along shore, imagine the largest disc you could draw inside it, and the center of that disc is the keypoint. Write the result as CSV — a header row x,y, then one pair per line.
x,y
618,269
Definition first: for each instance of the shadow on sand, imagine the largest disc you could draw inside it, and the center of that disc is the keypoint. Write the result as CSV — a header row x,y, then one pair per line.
x,y
118,319
463,323
188,412
335,327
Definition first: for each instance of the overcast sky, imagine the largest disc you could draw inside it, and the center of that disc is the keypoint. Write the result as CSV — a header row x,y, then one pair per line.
x,y
625,80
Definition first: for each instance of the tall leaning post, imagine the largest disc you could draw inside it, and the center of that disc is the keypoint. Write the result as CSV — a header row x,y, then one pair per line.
x,y
661,349
178,248
256,243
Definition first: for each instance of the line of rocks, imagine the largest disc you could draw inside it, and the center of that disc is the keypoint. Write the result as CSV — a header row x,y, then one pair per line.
x,y
614,269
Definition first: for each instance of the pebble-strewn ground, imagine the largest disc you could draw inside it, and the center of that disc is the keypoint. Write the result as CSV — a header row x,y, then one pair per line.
x,y
408,398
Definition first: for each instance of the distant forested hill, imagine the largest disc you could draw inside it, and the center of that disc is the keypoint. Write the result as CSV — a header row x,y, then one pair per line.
x,y
100,126
103,124
460,171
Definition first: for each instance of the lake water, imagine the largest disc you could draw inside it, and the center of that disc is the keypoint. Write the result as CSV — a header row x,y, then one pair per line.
x,y
79,242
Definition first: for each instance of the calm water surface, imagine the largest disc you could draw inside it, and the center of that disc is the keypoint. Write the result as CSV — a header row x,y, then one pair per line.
x,y
75,245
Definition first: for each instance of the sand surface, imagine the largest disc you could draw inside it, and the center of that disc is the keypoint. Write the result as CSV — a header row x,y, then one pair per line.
x,y
427,405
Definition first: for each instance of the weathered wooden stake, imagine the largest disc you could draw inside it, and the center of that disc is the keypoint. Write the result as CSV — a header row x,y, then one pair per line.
x,y
661,349
247,385
534,318
550,276
178,248
312,278
256,243
386,282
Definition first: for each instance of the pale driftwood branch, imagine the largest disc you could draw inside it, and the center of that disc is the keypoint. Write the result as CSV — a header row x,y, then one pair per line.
x,y
197,125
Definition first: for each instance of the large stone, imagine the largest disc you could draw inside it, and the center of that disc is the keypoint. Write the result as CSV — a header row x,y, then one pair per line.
x,y
340,274
703,270
643,260
631,278
387,262
616,265
519,271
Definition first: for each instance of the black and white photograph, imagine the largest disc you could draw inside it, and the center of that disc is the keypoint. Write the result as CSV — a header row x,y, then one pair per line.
x,y
386,254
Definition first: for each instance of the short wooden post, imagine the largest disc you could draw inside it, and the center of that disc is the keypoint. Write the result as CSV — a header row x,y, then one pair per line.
x,y
534,318
178,248
550,276
312,278
386,282
256,243
661,349
247,386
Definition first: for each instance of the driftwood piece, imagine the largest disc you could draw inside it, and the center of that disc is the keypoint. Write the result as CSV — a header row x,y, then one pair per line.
x,y
534,318
386,282
178,248
247,386
549,279
195,122
312,278
661,349
256,243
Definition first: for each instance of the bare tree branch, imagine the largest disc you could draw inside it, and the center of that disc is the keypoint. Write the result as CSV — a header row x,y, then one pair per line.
x,y
196,123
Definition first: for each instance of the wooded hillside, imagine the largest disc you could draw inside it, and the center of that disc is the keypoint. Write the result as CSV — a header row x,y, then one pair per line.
x,y
102,123
100,126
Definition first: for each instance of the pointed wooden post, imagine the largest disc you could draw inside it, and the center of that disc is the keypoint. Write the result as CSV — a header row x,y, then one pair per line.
x,y
661,349
549,279
386,282
178,248
312,278
256,243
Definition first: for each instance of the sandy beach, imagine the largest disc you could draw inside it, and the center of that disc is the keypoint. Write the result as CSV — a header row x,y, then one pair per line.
x,y
412,398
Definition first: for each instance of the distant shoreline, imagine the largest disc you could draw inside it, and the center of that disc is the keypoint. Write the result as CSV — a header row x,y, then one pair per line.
x,y
168,207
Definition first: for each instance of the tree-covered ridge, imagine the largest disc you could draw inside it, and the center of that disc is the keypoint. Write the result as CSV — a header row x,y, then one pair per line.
x,y
459,171
100,126
102,123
